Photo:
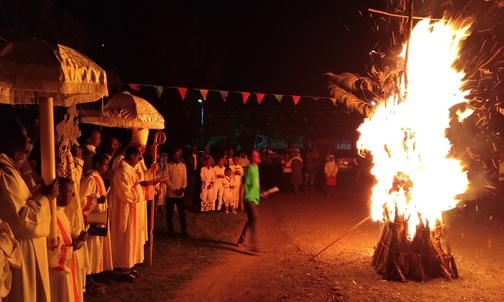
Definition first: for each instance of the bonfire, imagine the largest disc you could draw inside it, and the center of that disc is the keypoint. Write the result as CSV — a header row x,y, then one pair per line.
x,y
417,176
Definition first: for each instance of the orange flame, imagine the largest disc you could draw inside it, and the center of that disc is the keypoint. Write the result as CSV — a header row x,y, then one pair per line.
x,y
415,175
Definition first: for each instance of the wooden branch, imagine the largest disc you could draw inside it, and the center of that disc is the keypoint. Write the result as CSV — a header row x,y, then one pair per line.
x,y
399,16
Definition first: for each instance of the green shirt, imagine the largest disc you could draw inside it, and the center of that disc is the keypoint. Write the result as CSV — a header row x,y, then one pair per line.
x,y
252,187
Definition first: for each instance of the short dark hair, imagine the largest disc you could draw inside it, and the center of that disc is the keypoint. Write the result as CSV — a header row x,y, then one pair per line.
x,y
64,181
11,137
131,151
99,158
227,169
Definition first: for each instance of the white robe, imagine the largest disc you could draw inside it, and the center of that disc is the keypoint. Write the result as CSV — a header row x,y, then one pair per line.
x,y
74,214
99,248
10,256
29,219
126,196
63,272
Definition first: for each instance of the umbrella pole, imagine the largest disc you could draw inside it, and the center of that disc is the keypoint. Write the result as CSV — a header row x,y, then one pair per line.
x,y
48,159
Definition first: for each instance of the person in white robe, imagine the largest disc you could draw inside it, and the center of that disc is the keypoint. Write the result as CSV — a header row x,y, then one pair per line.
x,y
28,217
93,141
237,175
139,140
10,257
219,179
125,199
207,194
229,185
63,270
93,198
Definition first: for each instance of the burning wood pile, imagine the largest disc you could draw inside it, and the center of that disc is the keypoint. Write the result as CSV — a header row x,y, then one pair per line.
x,y
399,257
417,174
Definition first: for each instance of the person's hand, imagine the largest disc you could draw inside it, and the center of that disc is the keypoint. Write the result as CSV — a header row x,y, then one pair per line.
x,y
209,187
139,174
51,191
154,167
231,187
144,183
264,195
237,173
220,176
102,199
83,236
79,241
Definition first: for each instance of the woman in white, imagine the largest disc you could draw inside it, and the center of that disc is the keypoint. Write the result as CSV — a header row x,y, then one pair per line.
x,y
331,170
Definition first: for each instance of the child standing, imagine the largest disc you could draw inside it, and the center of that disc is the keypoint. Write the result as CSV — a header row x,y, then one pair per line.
x,y
228,187
331,170
207,195
93,197
62,274
236,175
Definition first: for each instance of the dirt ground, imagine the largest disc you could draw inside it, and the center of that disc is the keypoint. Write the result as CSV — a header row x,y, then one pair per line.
x,y
207,266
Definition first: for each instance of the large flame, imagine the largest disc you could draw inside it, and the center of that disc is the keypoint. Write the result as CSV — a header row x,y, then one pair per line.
x,y
415,175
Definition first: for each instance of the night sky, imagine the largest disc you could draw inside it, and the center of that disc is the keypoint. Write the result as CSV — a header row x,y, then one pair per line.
x,y
281,47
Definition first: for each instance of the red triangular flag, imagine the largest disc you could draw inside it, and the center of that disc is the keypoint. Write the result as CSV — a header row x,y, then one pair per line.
x,y
135,87
182,92
224,95
204,93
260,97
296,98
245,96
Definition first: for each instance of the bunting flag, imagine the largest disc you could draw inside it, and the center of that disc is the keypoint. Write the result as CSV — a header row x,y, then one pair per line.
x,y
182,92
245,96
135,87
224,94
260,97
159,90
204,93
296,98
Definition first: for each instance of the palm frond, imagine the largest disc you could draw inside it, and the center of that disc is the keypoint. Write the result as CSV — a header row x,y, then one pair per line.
x,y
351,101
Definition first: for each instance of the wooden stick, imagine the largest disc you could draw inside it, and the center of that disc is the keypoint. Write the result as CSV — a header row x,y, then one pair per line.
x,y
399,16
332,243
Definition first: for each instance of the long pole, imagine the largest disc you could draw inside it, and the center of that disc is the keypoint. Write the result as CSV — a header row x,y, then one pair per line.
x,y
409,29
48,160
339,238
159,138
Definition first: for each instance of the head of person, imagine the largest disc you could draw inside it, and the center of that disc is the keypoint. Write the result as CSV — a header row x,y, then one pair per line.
x,y
194,148
176,156
164,157
227,172
243,155
231,153
15,142
77,151
225,153
94,138
331,157
208,162
132,155
66,191
139,139
255,157
111,145
236,158
296,152
100,162
221,162
286,156
206,150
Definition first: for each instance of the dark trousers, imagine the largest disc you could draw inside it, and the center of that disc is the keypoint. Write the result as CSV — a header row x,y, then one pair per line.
x,y
170,203
252,226
192,199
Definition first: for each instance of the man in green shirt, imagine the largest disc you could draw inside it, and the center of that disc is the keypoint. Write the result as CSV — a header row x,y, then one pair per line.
x,y
251,203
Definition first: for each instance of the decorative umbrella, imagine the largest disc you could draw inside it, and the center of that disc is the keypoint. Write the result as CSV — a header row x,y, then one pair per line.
x,y
34,71
125,110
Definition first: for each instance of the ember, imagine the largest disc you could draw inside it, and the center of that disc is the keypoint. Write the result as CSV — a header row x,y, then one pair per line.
x,y
416,178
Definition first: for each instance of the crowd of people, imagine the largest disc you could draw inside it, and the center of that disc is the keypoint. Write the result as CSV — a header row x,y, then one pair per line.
x,y
101,191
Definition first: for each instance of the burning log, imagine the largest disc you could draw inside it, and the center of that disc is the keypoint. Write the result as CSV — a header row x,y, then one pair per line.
x,y
399,257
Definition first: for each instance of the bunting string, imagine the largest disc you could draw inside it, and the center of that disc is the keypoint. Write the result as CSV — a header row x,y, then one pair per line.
x,y
245,96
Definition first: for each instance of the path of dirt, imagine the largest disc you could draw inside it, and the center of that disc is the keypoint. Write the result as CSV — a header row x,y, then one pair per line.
x,y
207,266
